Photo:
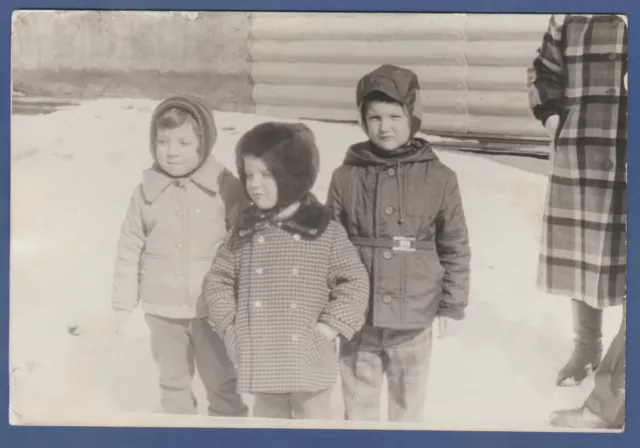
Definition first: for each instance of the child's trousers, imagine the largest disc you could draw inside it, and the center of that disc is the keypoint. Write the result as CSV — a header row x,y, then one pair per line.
x,y
178,345
403,355
299,405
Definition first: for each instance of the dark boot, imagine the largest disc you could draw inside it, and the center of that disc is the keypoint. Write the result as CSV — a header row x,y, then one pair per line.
x,y
587,352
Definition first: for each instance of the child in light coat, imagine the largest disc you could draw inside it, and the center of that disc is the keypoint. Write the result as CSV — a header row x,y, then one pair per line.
x,y
177,218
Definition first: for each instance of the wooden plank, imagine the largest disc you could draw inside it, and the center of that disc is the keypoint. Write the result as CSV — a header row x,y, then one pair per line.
x,y
357,27
373,52
484,53
446,77
445,101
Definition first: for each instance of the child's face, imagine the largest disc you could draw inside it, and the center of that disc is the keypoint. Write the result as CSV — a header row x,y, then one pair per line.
x,y
261,185
177,149
387,125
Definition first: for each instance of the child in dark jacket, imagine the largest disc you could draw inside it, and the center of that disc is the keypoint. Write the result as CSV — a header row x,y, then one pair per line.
x,y
287,281
402,208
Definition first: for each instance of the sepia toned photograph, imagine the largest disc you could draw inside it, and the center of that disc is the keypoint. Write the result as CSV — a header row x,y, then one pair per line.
x,y
318,220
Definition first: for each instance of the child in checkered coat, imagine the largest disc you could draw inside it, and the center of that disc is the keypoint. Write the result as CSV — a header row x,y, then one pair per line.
x,y
287,280
402,207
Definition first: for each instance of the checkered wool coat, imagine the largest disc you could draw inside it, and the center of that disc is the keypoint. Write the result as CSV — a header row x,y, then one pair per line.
x,y
579,74
269,286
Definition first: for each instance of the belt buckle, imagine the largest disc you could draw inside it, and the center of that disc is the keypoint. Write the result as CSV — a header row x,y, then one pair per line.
x,y
404,244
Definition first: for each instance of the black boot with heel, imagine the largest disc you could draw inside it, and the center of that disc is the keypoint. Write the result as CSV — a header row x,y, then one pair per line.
x,y
587,352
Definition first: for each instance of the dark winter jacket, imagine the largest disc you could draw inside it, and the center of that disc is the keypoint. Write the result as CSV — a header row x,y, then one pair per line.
x,y
404,211
416,196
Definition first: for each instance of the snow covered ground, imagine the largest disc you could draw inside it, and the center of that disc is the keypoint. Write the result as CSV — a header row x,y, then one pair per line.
x,y
72,174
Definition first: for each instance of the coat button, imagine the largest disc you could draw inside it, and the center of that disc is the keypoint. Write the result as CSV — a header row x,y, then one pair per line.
x,y
180,277
388,210
293,305
294,271
391,171
259,271
294,338
296,237
260,239
608,165
386,299
257,304
386,254
179,213
142,271
197,210
179,245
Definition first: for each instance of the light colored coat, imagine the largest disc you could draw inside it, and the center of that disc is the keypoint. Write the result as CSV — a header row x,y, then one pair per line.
x,y
169,238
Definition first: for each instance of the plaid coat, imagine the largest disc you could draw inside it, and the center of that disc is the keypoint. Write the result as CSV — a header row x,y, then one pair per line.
x,y
579,74
269,286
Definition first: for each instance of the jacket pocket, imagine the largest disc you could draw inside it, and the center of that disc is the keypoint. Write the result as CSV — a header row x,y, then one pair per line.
x,y
423,283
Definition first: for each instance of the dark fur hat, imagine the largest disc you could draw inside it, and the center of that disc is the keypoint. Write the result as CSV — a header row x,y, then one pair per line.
x,y
289,151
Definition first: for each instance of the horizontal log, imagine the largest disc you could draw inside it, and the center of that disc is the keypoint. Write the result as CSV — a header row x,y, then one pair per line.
x,y
522,127
357,26
431,77
445,124
375,52
411,26
460,53
512,27
444,101
505,147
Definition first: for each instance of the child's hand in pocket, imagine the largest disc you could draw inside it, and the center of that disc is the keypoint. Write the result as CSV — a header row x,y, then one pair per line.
x,y
327,331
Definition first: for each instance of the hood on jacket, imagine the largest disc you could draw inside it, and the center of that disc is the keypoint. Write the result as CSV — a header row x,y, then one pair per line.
x,y
365,153
399,84
207,133
416,150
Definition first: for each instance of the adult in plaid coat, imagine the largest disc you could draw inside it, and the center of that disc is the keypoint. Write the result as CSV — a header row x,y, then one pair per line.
x,y
287,281
577,91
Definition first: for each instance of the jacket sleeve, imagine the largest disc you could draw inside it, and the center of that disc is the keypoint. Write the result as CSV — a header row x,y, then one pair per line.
x,y
126,279
220,295
545,76
452,244
348,282
233,196
334,199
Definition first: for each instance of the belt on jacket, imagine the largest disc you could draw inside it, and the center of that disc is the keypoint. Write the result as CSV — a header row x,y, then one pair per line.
x,y
398,243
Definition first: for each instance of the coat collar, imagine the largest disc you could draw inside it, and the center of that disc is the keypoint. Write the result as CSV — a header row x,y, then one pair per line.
x,y
155,181
309,221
